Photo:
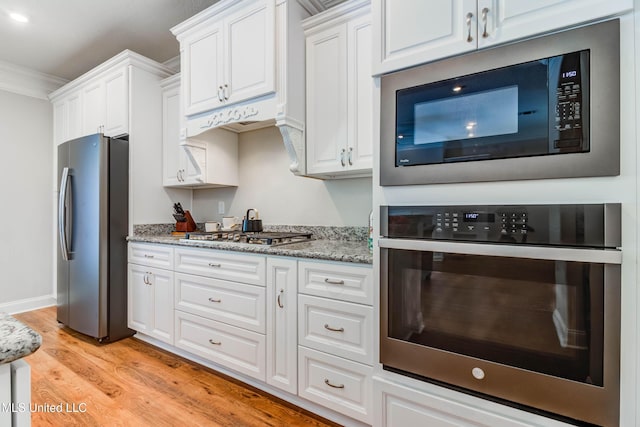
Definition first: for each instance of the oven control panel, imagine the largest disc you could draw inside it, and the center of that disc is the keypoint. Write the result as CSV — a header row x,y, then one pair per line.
x,y
574,225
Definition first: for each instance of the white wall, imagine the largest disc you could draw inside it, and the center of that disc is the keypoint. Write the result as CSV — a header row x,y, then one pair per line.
x,y
281,197
26,169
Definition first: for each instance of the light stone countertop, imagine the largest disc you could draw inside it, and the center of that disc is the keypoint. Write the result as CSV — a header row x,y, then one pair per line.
x,y
17,340
322,249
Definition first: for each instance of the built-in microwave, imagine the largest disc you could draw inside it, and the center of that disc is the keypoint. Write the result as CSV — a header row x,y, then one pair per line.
x,y
547,107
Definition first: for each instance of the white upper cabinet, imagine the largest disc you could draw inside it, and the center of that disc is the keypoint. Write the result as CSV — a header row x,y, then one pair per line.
x,y
229,56
105,104
177,169
99,101
339,91
412,32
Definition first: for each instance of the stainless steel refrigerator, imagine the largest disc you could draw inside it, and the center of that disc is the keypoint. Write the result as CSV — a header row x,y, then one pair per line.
x,y
93,184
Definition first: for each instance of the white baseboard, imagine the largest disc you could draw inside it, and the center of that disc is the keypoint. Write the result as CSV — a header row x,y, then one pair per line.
x,y
28,304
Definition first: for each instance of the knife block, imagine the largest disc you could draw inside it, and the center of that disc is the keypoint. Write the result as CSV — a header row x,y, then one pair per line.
x,y
187,226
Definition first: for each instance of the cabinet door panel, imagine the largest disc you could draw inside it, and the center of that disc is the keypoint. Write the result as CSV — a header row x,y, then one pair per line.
x,y
516,19
162,309
116,119
282,362
74,115
411,32
202,75
250,53
139,299
93,96
327,100
360,150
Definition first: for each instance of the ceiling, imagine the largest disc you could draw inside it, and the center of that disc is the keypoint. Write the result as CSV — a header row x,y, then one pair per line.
x,y
66,38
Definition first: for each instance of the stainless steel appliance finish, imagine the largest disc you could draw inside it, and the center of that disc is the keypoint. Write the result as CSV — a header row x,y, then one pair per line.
x,y
518,303
269,238
525,108
93,214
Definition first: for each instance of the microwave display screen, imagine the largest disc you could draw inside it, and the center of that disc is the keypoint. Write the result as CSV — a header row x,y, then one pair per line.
x,y
478,217
529,109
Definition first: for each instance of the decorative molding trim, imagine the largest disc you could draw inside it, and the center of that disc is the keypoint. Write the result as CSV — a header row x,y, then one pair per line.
x,y
339,12
126,57
28,82
317,6
173,63
231,115
28,304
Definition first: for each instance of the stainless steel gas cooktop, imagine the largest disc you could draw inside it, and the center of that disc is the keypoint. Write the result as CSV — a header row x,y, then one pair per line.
x,y
272,238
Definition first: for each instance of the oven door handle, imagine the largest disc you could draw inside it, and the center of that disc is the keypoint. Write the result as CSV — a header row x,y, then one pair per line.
x,y
604,256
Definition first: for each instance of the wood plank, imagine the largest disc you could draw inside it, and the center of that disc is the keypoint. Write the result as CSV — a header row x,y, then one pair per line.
x,y
132,383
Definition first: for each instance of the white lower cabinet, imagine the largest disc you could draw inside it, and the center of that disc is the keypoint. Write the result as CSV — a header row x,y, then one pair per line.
x,y
150,291
335,336
230,346
234,303
337,383
304,327
282,350
337,327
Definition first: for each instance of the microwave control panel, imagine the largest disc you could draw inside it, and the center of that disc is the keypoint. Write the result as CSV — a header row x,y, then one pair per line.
x,y
573,225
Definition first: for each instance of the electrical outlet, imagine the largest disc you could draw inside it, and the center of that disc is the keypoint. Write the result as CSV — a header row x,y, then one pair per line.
x,y
221,207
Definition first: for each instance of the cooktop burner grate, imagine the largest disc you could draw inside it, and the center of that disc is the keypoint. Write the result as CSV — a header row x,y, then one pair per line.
x,y
271,238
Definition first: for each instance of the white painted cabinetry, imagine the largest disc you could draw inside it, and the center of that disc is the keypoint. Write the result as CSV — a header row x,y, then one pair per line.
x,y
177,169
150,290
412,32
282,331
335,352
229,56
220,304
339,91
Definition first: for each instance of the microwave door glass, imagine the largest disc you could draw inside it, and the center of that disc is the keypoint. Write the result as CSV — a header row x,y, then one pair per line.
x,y
490,115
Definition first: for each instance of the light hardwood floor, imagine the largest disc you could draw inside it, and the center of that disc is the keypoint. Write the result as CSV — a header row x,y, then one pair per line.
x,y
132,383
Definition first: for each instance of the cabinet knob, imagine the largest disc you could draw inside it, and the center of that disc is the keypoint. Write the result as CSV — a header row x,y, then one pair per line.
x,y
214,300
469,17
215,342
342,161
333,281
215,265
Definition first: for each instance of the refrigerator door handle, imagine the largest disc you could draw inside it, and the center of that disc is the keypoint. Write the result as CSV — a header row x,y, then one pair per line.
x,y
62,213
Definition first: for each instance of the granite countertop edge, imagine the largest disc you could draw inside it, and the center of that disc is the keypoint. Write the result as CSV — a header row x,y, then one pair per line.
x,y
17,340
329,250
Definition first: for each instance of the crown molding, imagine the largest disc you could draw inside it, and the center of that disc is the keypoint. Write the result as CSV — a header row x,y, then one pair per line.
x,y
28,82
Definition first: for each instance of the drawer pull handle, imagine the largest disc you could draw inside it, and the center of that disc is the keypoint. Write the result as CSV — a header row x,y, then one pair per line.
x,y
215,342
329,328
279,298
333,281
215,265
327,382
148,256
215,300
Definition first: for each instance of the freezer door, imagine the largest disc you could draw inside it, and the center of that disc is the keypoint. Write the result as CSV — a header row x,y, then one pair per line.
x,y
88,235
62,221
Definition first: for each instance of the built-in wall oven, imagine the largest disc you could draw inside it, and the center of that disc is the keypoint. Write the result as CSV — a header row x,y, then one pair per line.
x,y
517,303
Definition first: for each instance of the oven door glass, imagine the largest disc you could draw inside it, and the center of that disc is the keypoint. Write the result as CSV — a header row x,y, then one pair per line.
x,y
540,315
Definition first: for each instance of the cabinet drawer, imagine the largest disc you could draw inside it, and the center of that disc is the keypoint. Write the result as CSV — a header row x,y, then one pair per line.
x,y
346,282
401,405
234,348
336,383
152,255
336,327
233,303
236,267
